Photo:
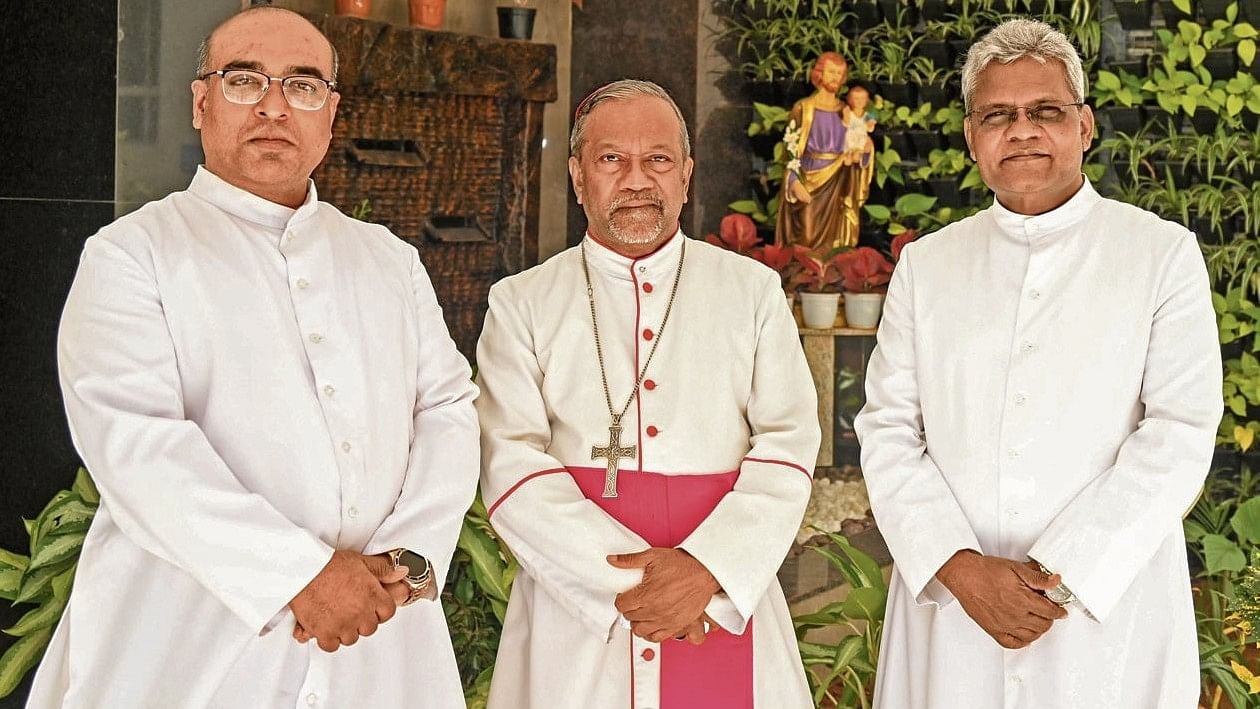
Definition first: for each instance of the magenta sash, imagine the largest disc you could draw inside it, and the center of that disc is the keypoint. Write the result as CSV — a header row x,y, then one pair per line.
x,y
664,510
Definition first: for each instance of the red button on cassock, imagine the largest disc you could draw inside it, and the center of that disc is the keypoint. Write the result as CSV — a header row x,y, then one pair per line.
x,y
648,655
647,334
649,384
647,287
652,431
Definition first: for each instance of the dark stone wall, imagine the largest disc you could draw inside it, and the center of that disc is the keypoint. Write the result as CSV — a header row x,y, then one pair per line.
x,y
644,39
56,189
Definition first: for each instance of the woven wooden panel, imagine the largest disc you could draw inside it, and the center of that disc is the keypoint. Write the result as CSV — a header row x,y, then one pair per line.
x,y
436,125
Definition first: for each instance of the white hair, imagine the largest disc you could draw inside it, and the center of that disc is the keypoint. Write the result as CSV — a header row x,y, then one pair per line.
x,y
623,90
1016,39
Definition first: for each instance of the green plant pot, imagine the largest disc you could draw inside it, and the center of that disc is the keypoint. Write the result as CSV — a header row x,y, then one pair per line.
x,y
932,10
892,10
925,141
1204,121
1133,15
957,141
946,191
1125,119
899,93
1171,14
1136,67
1221,63
933,94
1212,9
938,52
1250,10
900,142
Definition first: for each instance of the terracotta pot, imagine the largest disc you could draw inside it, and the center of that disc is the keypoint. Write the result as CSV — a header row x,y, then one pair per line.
x,y
427,13
818,310
354,8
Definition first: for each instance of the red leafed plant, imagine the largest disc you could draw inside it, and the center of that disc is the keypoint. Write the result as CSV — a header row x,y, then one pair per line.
x,y
899,242
785,261
737,233
864,270
821,272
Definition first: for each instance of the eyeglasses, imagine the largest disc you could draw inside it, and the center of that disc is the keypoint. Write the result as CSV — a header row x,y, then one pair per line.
x,y
1042,114
243,86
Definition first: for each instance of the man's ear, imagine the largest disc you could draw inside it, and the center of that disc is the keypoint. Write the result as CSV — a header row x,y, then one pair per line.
x,y
967,136
688,166
199,102
334,99
575,175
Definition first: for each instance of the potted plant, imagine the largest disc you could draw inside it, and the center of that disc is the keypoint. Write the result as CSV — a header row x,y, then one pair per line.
x,y
427,13
820,281
1126,92
942,173
864,275
516,21
353,8
738,233
1133,14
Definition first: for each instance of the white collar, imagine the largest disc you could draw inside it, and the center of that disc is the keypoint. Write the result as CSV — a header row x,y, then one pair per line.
x,y
658,265
1065,216
247,205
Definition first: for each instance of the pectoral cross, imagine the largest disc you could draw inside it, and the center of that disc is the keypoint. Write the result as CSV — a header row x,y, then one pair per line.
x,y
612,452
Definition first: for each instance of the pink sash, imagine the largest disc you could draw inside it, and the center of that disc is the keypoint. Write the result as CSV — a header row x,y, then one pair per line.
x,y
664,510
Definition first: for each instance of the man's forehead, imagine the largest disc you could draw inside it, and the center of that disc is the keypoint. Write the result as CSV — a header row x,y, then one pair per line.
x,y
270,40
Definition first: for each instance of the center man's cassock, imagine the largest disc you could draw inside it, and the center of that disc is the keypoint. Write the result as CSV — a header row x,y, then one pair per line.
x,y
726,434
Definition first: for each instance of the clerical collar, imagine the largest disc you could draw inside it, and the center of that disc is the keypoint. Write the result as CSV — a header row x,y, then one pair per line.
x,y
1067,215
654,266
247,205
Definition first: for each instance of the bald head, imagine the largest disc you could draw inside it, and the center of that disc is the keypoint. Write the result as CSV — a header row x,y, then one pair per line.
x,y
205,49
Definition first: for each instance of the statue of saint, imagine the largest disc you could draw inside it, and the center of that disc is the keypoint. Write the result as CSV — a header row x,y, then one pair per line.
x,y
832,161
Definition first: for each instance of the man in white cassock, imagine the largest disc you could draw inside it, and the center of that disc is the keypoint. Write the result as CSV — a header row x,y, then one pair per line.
x,y
279,423
649,429
1041,410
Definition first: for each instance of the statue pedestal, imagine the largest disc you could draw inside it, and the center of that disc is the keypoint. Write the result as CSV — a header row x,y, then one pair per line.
x,y
837,360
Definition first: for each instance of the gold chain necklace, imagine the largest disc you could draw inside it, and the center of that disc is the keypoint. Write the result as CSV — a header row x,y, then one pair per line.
x,y
614,451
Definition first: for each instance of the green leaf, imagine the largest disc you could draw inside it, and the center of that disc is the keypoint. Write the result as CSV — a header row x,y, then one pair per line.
x,y
1245,30
9,560
56,549
1193,530
1246,521
20,658
743,206
71,515
46,615
1246,51
867,603
1234,105
1221,554
85,488
846,650
1197,54
484,559
38,582
1107,81
1184,6
879,212
913,204
10,582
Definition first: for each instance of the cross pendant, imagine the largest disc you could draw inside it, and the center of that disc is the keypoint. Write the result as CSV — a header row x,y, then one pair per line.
x,y
612,452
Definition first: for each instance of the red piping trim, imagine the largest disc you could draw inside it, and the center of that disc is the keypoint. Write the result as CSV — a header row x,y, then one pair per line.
x,y
638,405
662,245
519,483
794,466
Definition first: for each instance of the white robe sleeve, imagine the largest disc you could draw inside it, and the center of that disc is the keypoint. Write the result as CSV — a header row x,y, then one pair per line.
x,y
1105,536
445,454
560,538
918,515
744,539
161,481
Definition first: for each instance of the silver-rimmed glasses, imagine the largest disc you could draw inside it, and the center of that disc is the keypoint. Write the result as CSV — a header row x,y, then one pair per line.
x,y
245,86
1042,114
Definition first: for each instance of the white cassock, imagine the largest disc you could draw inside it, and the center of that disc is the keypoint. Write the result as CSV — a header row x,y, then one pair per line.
x,y
253,387
1044,387
725,431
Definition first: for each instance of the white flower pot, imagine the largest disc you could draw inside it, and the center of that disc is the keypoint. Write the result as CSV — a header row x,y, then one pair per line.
x,y
819,309
862,309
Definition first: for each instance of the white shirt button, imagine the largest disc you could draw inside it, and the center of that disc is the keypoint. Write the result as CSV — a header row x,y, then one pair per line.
x,y
642,269
352,512
1034,294
312,699
345,446
316,338
1020,399
303,283
329,390
1027,347
1012,453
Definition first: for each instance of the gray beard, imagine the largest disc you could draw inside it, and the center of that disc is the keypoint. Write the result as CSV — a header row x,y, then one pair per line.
x,y
637,226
